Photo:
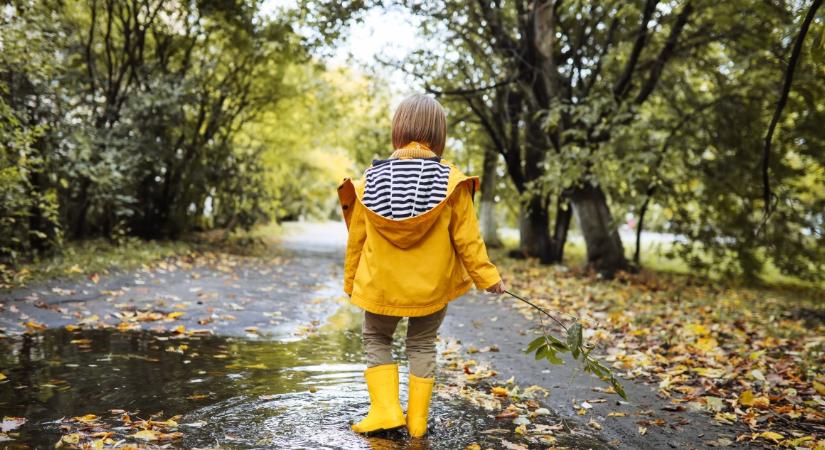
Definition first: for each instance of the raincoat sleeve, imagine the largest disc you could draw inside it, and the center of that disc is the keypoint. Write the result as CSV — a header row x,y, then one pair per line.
x,y
467,240
355,243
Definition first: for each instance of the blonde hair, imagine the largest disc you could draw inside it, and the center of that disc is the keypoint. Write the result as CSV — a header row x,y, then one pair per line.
x,y
420,118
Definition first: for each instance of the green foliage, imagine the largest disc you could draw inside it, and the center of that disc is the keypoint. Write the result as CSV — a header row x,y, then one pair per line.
x,y
695,155
119,118
330,127
548,347
29,216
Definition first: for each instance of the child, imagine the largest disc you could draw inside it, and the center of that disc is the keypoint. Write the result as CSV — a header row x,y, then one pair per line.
x,y
413,246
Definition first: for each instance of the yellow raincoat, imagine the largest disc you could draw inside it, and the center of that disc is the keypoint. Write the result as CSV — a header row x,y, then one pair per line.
x,y
413,267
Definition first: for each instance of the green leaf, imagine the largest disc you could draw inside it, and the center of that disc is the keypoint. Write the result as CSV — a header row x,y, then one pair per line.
x,y
558,344
618,387
541,351
596,368
551,356
535,344
574,339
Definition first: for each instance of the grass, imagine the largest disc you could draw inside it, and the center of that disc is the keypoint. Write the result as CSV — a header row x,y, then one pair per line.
x,y
93,256
653,260
100,256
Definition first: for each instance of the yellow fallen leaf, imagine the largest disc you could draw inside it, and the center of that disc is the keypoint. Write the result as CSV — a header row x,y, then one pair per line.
x,y
125,326
726,418
771,436
473,446
761,402
756,355
698,329
710,372
164,423
180,329
707,344
174,315
642,430
531,391
595,425
798,441
617,414
74,269
89,320
88,418
819,387
35,325
73,438
146,435
499,391
2,376
746,398
71,328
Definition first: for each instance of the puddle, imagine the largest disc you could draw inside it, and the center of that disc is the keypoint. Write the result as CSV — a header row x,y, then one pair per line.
x,y
230,391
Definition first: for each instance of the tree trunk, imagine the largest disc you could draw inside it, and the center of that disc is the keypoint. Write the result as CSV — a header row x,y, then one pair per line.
x,y
637,255
534,229
605,252
563,214
487,210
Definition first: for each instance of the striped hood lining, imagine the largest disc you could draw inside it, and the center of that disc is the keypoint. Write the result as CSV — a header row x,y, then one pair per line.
x,y
403,188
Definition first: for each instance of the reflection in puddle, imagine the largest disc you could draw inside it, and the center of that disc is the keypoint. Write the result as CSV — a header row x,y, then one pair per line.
x,y
231,392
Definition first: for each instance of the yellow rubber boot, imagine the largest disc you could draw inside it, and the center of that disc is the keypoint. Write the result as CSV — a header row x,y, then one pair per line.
x,y
385,409
418,406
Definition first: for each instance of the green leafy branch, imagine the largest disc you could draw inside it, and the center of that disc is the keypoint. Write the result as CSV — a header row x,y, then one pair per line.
x,y
548,347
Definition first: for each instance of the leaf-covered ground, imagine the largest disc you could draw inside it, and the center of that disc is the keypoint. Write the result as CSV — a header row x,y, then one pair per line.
x,y
743,355
227,341
750,360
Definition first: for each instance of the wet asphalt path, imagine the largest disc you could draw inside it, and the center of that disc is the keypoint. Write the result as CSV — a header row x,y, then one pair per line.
x,y
295,289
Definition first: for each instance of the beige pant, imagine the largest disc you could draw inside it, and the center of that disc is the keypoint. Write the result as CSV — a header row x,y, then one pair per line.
x,y
421,334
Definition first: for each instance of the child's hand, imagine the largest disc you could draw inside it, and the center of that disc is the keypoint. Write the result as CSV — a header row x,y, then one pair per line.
x,y
497,288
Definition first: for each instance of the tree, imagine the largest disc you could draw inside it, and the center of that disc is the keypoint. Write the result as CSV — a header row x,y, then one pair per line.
x,y
568,74
694,156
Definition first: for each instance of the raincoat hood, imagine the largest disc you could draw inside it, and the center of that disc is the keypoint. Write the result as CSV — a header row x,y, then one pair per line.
x,y
403,210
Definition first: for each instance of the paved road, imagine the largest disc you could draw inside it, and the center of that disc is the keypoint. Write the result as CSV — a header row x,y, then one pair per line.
x,y
480,320
297,289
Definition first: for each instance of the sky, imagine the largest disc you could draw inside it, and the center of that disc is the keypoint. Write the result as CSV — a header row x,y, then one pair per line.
x,y
389,33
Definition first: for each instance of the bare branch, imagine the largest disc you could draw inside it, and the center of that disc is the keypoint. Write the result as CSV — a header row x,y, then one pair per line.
x,y
783,99
623,83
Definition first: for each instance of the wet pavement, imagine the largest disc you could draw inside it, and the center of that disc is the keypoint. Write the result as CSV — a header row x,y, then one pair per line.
x,y
213,351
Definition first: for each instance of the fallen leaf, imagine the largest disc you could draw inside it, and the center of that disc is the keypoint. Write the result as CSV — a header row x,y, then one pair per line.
x,y
146,435
771,436
499,391
71,439
11,423
88,418
746,398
